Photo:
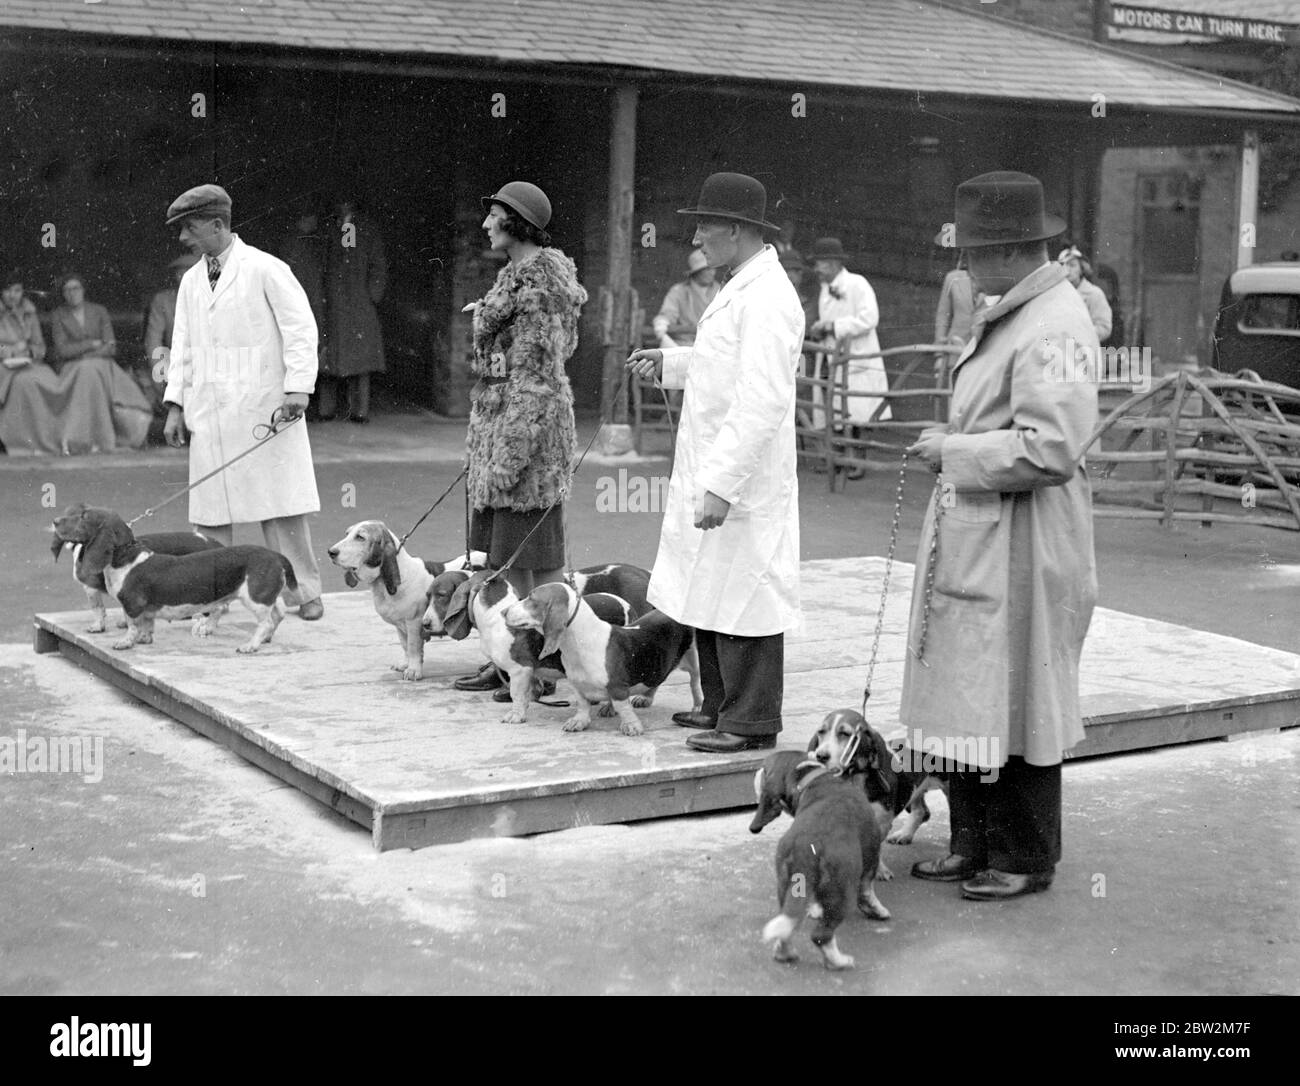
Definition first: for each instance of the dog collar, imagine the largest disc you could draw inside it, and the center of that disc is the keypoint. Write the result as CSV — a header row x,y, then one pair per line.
x,y
818,770
576,609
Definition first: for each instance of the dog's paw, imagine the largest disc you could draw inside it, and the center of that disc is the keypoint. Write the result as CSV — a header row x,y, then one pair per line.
x,y
123,644
882,871
576,723
144,639
837,961
96,627
870,906
900,837
784,952
642,701
412,674
121,623
517,717
606,709
631,727
247,650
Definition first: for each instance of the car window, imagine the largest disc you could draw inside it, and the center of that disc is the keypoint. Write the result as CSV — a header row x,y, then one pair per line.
x,y
1270,313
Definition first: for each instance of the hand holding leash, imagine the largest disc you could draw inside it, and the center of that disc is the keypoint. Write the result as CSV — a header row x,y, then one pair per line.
x,y
174,432
929,450
646,362
295,405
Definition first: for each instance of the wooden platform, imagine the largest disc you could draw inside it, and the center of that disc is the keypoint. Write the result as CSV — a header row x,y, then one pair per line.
x,y
421,764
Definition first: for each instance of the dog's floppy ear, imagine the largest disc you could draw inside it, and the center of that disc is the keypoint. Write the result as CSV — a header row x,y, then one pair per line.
x,y
106,532
388,570
552,603
56,546
459,619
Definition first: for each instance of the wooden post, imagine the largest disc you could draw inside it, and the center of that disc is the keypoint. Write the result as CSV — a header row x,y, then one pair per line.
x,y
1248,198
622,166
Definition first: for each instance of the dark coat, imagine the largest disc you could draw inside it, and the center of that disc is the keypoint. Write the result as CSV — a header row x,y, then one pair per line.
x,y
525,330
355,279
72,340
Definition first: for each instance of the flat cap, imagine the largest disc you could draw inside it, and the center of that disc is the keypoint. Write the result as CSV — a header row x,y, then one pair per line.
x,y
201,200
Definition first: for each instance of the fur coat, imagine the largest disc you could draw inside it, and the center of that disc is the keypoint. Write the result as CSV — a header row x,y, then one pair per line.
x,y
521,418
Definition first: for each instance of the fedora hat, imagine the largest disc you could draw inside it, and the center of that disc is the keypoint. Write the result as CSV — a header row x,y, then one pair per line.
x,y
527,201
1002,208
697,261
732,196
828,249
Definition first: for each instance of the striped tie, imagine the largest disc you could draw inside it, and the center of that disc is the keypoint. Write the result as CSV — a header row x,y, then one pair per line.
x,y
214,271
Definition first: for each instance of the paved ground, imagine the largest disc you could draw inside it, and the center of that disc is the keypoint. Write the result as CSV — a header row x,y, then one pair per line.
x,y
186,870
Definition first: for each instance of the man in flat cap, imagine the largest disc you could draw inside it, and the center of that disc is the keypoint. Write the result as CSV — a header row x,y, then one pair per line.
x,y
728,561
243,347
994,688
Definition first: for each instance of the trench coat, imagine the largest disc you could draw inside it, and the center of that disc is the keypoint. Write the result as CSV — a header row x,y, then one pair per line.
x,y
356,277
236,351
736,439
855,316
1015,579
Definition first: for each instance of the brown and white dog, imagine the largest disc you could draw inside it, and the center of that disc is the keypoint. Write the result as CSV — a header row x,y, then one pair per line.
x,y
827,859
847,741
65,527
150,586
480,602
604,662
370,554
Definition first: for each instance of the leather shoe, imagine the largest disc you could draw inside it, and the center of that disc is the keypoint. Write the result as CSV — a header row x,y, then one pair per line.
x,y
716,742
311,610
486,678
542,688
692,719
952,868
994,885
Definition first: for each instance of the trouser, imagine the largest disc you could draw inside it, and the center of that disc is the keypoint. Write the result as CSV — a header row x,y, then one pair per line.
x,y
1012,823
743,680
355,395
291,536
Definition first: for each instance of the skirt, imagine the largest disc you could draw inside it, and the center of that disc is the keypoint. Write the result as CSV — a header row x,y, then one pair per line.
x,y
500,531
90,406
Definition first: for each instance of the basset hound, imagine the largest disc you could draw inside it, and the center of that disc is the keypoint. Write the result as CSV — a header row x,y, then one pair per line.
x,y
400,584
827,860
605,662
480,602
150,585
65,526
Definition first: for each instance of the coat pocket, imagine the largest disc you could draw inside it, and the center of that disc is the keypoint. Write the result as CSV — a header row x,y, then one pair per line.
x,y
975,506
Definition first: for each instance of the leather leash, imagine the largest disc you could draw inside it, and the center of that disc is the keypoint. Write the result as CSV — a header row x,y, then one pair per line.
x,y
463,472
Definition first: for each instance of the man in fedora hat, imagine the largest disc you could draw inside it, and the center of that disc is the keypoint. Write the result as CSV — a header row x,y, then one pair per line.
x,y
1008,602
728,561
243,347
847,316
686,302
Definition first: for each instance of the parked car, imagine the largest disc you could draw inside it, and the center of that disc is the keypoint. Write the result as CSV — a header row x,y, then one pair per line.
x,y
1258,325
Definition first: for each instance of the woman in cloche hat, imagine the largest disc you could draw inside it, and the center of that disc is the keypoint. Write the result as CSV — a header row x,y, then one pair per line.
x,y
521,439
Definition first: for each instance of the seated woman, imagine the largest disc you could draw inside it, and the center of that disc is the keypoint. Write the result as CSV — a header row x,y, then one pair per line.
x,y
87,405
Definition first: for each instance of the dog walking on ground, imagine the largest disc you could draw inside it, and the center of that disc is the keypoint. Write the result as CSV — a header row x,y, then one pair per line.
x,y
826,861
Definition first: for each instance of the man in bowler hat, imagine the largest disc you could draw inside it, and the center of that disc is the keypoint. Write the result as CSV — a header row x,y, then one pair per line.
x,y
728,561
243,347
994,689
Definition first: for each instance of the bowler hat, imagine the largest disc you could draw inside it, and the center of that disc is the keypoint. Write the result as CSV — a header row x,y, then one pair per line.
x,y
527,201
828,249
1003,208
732,196
203,200
697,261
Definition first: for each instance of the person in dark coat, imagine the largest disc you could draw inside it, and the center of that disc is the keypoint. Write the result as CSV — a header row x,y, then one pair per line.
x,y
356,275
303,249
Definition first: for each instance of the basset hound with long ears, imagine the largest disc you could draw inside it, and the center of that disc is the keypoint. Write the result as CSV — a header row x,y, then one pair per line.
x,y
603,662
149,585
400,584
480,602
66,527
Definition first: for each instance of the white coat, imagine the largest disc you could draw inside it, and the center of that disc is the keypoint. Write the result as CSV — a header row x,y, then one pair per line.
x,y
736,439
235,353
855,315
